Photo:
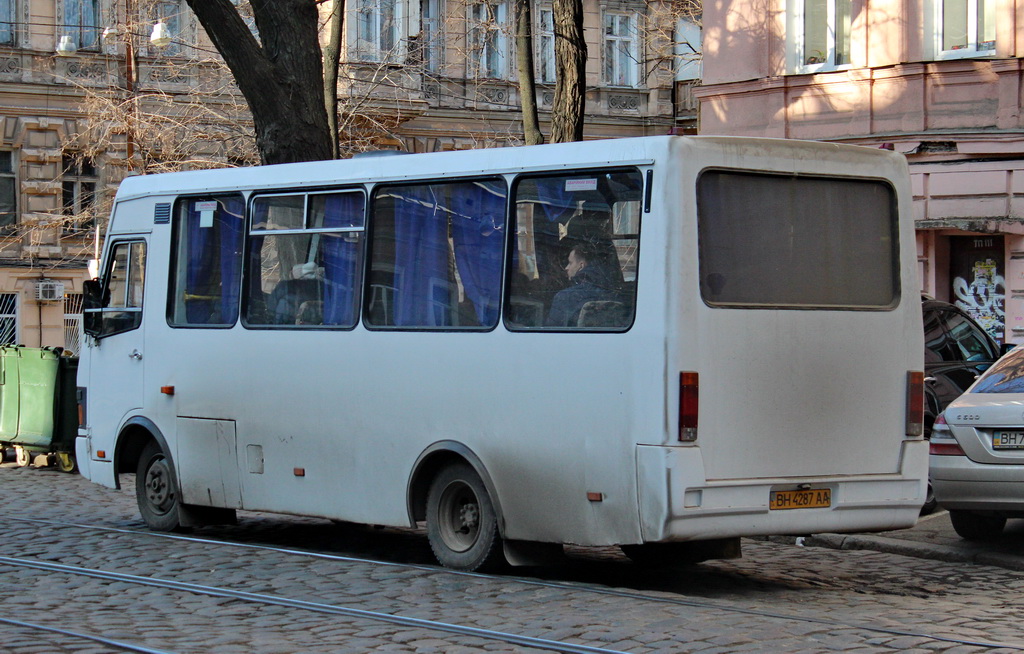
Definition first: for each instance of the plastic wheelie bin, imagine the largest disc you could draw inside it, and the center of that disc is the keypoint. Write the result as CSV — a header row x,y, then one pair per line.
x,y
38,413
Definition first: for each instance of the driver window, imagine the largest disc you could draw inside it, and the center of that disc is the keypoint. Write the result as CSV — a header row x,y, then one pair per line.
x,y
121,304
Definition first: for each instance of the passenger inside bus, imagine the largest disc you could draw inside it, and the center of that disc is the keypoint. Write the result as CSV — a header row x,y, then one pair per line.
x,y
290,294
593,297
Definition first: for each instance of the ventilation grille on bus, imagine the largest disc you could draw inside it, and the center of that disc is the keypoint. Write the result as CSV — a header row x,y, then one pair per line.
x,y
162,213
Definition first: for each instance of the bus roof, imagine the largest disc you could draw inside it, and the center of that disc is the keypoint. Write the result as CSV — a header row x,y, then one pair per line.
x,y
360,169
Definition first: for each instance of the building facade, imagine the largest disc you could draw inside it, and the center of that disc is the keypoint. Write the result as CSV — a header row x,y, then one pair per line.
x,y
937,80
94,90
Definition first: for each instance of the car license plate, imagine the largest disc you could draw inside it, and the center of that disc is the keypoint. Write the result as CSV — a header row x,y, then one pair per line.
x,y
811,498
1008,440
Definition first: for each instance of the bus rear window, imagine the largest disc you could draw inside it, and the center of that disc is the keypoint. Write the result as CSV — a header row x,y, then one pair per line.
x,y
774,241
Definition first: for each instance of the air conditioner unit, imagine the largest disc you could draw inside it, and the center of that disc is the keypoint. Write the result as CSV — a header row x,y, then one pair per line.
x,y
49,291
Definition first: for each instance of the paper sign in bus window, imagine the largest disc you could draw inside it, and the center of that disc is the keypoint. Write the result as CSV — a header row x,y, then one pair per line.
x,y
581,184
206,212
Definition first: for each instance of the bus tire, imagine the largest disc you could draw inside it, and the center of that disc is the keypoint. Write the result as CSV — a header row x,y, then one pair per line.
x,y
462,526
155,490
974,526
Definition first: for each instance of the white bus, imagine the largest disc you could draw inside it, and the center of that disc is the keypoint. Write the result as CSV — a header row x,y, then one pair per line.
x,y
662,343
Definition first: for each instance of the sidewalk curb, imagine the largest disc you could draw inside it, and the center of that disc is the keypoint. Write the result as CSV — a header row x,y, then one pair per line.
x,y
914,549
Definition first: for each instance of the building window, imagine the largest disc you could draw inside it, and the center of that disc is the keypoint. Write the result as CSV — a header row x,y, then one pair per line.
x,y
820,34
687,50
8,22
376,29
432,32
81,23
966,28
8,318
73,323
621,49
488,40
546,46
8,192
78,194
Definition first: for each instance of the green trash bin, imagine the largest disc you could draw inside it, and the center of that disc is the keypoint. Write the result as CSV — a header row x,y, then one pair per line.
x,y
38,410
10,386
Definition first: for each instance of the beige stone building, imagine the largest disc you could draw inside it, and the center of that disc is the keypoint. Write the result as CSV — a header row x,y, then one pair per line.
x,y
93,90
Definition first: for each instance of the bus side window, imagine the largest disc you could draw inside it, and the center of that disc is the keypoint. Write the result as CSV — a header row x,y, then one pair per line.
x,y
207,261
575,249
305,260
436,255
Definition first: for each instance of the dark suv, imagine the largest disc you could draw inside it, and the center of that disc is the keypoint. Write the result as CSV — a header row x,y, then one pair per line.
x,y
956,351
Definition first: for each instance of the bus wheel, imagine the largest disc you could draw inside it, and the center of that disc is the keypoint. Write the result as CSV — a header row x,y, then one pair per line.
x,y
154,490
461,523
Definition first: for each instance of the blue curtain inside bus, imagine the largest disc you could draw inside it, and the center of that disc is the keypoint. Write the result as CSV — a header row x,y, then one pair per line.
x,y
341,260
423,292
214,262
421,260
478,234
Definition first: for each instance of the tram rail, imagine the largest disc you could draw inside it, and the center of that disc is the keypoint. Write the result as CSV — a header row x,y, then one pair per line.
x,y
438,626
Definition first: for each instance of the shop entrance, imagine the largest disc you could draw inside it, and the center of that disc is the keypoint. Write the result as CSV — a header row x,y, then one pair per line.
x,y
976,272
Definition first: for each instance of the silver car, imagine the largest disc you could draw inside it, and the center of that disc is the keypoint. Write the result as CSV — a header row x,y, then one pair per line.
x,y
977,451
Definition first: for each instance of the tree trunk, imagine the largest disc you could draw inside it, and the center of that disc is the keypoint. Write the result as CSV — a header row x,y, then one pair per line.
x,y
525,68
281,76
570,72
332,56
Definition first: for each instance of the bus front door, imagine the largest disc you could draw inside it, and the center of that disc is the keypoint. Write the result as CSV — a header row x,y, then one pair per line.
x,y
115,354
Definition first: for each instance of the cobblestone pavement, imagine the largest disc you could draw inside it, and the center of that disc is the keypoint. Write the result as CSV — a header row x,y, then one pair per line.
x,y
779,598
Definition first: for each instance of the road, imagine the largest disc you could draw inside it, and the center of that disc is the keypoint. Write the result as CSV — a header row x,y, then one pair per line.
x,y
80,573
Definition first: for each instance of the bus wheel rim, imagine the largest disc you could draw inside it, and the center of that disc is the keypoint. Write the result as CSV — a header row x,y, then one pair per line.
x,y
459,516
158,486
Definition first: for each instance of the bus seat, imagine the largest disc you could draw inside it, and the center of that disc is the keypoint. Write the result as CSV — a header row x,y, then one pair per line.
x,y
526,312
603,313
311,312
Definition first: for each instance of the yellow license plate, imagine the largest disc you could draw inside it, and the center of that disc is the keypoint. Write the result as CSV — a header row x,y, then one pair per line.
x,y
812,498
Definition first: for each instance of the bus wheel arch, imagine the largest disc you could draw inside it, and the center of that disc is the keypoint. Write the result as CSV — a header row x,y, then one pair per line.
x,y
142,449
446,476
136,433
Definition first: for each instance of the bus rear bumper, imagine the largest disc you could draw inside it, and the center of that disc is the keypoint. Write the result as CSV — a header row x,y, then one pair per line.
x,y
677,503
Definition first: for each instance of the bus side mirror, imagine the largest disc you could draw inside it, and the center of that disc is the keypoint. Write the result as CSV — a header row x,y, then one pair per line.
x,y
92,305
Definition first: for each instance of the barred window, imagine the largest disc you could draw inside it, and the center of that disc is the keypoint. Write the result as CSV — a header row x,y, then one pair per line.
x,y
8,318
73,322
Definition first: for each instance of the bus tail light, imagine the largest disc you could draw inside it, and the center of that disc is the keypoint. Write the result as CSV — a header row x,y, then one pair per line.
x,y
915,403
688,396
80,401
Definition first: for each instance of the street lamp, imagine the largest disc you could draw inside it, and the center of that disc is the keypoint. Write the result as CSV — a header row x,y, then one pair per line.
x,y
160,37
66,46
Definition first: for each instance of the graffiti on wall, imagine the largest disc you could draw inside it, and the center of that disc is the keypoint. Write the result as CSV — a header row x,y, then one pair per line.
x,y
983,297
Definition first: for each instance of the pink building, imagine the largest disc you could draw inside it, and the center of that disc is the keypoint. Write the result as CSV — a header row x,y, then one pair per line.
x,y
938,80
